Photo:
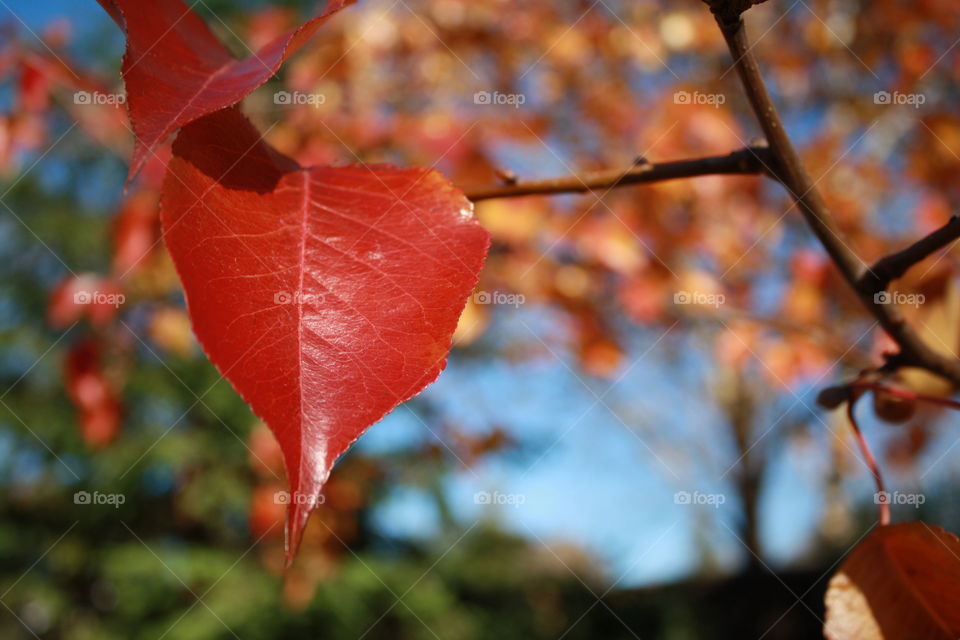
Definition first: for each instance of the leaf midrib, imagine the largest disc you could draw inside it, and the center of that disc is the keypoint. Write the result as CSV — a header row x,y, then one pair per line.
x,y
304,205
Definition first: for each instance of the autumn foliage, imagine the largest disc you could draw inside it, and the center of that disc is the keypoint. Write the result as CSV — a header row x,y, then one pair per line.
x,y
328,292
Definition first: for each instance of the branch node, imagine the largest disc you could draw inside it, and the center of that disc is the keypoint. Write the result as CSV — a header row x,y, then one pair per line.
x,y
891,267
506,176
728,12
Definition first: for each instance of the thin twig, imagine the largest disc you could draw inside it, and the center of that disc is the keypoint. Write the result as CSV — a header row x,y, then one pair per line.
x,y
747,161
893,266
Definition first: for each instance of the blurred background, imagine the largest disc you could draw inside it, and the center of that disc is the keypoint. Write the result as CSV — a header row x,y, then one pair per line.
x,y
625,442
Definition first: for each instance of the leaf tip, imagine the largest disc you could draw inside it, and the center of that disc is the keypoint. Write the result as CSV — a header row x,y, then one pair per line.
x,y
298,513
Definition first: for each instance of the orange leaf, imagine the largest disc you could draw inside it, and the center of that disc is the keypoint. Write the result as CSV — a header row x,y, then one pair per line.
x,y
903,581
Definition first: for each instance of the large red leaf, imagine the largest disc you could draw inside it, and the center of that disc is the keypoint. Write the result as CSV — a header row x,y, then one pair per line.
x,y
903,581
176,71
327,296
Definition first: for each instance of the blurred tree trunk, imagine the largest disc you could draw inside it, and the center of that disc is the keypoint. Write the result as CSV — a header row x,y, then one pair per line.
x,y
740,406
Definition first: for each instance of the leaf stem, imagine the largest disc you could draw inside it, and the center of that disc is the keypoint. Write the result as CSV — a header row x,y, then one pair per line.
x,y
906,394
867,453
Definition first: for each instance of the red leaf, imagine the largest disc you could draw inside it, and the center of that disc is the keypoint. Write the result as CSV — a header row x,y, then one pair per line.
x,y
86,294
98,407
266,511
135,231
903,581
327,296
176,71
34,88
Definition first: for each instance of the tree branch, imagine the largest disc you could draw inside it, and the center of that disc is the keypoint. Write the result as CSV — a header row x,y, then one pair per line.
x,y
747,161
789,171
893,266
